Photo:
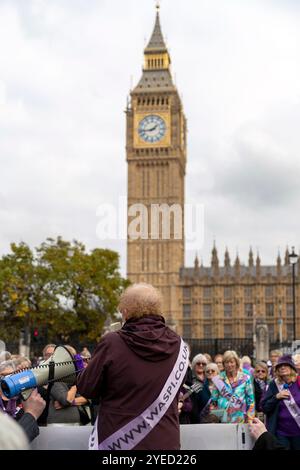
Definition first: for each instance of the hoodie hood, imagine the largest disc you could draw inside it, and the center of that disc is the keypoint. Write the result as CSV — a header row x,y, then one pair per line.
x,y
150,338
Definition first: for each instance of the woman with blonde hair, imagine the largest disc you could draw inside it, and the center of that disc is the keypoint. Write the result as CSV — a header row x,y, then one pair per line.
x,y
281,404
233,392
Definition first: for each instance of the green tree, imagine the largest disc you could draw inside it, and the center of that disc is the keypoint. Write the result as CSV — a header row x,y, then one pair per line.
x,y
58,286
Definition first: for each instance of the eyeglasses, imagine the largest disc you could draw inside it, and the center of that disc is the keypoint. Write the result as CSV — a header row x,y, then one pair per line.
x,y
210,371
257,371
201,363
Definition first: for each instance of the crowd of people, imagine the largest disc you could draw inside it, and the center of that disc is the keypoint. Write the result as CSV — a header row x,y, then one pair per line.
x,y
130,380
235,392
58,403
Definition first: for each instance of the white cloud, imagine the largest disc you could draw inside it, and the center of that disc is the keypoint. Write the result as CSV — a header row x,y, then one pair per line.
x,y
65,73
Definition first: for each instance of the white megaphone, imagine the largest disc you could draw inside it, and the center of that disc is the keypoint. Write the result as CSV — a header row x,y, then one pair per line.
x,y
60,366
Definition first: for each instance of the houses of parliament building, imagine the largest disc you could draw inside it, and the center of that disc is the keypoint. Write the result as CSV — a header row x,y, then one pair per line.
x,y
223,300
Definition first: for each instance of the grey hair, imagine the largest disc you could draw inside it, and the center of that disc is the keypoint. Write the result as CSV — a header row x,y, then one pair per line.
x,y
139,300
213,366
7,365
198,358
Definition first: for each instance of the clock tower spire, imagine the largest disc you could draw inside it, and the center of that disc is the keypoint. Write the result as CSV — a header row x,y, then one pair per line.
x,y
156,157
156,53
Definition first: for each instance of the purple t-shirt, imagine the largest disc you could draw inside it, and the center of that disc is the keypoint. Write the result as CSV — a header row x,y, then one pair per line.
x,y
286,425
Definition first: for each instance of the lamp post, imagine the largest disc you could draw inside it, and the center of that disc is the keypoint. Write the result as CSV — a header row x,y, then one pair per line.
x,y
254,331
280,323
293,260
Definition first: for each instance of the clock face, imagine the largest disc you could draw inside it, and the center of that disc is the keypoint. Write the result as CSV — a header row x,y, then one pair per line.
x,y
152,129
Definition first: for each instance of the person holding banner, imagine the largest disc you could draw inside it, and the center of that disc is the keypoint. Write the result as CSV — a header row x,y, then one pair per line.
x,y
137,372
281,404
232,392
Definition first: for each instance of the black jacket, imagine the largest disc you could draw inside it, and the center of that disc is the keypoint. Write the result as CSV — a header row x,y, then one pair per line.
x,y
270,406
268,442
29,425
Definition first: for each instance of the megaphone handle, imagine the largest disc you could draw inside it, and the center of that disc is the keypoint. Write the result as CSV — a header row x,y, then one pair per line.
x,y
26,394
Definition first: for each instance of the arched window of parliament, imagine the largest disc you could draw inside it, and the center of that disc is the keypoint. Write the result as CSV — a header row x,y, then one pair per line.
x,y
227,310
187,310
207,311
207,292
228,331
207,331
249,310
187,330
187,292
270,310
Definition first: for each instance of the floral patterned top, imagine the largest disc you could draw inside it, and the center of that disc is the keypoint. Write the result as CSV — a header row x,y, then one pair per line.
x,y
236,399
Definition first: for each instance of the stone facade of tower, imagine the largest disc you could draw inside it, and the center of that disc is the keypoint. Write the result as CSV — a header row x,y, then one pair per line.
x,y
201,302
156,156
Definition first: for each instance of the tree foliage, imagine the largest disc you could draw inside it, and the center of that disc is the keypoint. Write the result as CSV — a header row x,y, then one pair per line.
x,y
58,286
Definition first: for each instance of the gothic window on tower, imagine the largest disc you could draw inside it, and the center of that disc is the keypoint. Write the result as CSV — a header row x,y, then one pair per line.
x,y
207,311
142,258
227,310
187,309
148,182
270,310
144,181
249,310
158,182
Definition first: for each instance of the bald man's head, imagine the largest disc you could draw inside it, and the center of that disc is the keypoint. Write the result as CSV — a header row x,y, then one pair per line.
x,y
139,300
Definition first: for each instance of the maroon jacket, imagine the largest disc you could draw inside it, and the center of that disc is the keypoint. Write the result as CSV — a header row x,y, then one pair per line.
x,y
127,372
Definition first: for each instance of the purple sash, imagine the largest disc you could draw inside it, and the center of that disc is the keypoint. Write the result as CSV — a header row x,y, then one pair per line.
x,y
233,401
137,429
290,404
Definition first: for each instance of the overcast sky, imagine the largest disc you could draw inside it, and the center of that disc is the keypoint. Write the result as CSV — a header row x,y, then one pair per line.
x,y
66,68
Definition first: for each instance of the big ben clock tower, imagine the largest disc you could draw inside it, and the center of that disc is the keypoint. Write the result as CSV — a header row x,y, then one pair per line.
x,y
156,156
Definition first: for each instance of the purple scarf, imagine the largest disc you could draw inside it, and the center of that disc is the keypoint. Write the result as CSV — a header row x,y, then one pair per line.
x,y
10,408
